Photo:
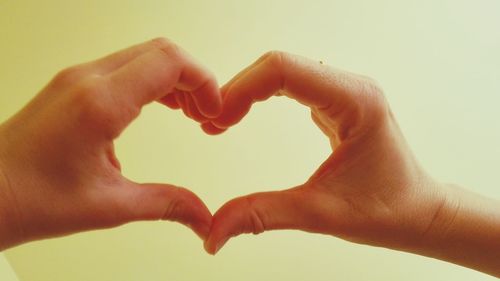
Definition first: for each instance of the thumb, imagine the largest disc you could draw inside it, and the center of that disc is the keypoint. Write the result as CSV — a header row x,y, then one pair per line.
x,y
257,213
166,202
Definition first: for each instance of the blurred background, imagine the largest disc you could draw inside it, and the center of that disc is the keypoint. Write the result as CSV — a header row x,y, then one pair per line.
x,y
438,61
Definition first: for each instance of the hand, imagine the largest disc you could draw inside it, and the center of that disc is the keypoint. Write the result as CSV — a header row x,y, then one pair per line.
x,y
58,170
370,190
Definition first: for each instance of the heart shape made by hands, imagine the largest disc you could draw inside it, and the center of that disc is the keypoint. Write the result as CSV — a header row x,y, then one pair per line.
x,y
352,112
66,173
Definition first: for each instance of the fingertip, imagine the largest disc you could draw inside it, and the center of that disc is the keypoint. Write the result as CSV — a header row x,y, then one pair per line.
x,y
211,129
209,248
193,110
212,110
208,99
180,100
235,108
213,248
196,215
229,221
217,237
170,101
202,229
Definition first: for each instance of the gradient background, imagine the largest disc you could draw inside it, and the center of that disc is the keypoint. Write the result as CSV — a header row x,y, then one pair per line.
x,y
438,62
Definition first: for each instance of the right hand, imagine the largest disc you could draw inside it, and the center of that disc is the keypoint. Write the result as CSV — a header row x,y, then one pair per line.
x,y
370,190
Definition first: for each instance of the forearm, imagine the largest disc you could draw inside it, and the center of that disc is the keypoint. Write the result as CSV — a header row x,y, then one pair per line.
x,y
7,219
466,231
5,229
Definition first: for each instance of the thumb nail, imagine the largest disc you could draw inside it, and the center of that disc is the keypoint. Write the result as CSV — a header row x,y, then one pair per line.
x,y
220,245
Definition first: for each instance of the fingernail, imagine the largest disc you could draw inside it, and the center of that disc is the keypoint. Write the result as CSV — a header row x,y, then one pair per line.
x,y
218,126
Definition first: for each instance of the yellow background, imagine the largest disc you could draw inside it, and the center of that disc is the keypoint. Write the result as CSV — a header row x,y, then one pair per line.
x,y
6,271
437,60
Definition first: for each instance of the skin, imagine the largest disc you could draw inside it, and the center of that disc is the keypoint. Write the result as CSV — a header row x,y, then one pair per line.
x,y
59,174
371,189
58,170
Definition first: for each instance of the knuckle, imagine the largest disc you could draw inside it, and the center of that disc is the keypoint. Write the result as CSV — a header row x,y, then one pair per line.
x,y
372,86
87,90
374,101
172,211
376,94
275,58
161,41
179,208
166,45
68,76
89,98
256,218
365,110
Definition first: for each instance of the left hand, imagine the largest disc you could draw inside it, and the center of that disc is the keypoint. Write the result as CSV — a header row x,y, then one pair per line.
x,y
58,170
370,189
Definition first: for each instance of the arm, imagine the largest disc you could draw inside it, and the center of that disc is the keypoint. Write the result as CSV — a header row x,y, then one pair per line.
x,y
465,231
371,189
7,224
58,170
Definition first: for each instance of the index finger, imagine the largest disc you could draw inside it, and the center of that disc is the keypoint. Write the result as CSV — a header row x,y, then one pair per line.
x,y
163,70
309,82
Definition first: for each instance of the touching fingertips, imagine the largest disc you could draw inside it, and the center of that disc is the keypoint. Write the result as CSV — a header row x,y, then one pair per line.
x,y
193,109
218,246
215,241
209,247
210,129
201,228
170,101
184,104
179,98
208,99
189,210
231,116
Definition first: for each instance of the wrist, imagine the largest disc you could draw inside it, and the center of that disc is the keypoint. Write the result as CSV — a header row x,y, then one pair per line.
x,y
465,230
443,217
